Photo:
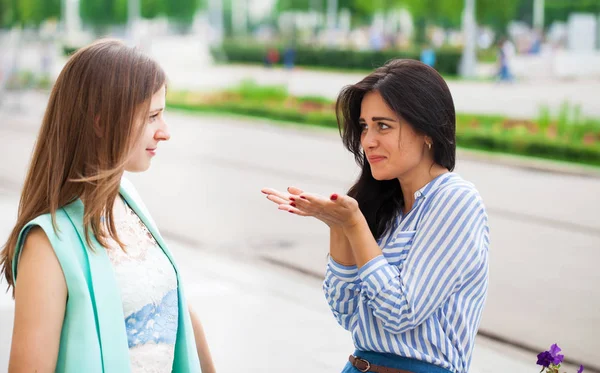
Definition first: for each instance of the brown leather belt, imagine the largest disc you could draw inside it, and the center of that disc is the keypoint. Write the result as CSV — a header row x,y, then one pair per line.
x,y
364,366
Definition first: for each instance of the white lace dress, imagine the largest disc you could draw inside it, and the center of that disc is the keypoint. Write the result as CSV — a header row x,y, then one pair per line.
x,y
149,291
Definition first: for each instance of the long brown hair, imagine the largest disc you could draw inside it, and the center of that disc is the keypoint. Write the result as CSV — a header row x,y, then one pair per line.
x,y
95,114
419,95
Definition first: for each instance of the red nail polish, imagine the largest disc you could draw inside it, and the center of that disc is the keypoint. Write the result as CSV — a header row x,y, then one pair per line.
x,y
293,204
334,197
291,212
292,199
302,197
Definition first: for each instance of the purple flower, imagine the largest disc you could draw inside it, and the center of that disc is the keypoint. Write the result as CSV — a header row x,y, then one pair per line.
x,y
554,350
552,356
580,369
545,359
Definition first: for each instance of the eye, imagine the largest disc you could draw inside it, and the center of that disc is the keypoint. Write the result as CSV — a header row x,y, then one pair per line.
x,y
153,117
383,126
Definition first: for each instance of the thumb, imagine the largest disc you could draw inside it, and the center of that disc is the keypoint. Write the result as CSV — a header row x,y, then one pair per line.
x,y
341,199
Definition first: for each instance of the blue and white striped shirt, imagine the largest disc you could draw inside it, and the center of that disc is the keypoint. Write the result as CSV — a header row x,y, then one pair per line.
x,y
423,297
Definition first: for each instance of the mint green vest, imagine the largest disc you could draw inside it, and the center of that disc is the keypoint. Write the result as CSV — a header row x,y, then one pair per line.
x,y
93,337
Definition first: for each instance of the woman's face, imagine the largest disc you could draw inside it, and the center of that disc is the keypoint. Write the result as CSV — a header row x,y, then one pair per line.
x,y
391,145
155,131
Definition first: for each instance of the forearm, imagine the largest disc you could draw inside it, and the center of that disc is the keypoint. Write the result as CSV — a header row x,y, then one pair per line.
x,y
363,244
204,355
339,247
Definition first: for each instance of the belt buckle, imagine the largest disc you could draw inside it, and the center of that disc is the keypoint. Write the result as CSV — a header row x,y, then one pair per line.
x,y
364,361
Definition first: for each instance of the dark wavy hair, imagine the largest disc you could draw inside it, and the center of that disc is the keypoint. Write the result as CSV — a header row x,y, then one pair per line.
x,y
420,96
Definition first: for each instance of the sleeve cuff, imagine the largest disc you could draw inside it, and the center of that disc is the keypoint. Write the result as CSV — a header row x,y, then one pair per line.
x,y
343,272
376,274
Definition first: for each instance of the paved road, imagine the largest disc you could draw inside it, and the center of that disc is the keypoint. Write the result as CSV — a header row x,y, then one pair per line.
x,y
204,186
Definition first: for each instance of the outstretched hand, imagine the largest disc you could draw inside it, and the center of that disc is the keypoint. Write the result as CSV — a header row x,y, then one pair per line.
x,y
337,210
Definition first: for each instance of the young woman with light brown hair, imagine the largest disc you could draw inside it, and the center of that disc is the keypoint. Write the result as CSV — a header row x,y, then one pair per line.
x,y
95,286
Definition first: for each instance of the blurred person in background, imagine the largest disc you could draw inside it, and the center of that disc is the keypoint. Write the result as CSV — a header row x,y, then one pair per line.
x,y
407,273
95,286
428,55
506,52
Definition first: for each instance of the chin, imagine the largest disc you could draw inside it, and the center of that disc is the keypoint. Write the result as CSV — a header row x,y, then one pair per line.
x,y
380,176
137,168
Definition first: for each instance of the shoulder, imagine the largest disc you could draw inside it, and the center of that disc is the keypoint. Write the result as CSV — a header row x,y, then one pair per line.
x,y
456,195
455,187
35,240
37,255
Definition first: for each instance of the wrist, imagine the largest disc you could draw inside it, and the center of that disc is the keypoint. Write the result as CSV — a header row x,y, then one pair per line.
x,y
355,221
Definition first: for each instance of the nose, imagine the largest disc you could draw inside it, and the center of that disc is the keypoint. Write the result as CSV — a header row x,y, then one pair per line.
x,y
369,140
162,134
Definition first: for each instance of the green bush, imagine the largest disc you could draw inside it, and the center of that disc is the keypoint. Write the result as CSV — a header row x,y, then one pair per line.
x,y
69,50
447,60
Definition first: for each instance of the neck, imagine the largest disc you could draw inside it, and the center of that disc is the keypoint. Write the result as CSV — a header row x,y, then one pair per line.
x,y
416,179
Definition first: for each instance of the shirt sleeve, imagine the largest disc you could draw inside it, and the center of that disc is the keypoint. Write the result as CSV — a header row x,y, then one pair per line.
x,y
342,291
449,248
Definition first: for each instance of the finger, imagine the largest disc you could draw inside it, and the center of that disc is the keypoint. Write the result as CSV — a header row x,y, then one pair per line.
x,y
313,198
270,191
293,210
294,190
277,200
302,204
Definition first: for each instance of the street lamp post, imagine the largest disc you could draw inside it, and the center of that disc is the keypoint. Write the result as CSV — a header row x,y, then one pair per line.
x,y
133,15
538,14
332,6
468,62
216,21
239,15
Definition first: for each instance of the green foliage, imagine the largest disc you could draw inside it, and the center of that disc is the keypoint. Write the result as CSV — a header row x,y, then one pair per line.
x,y
447,60
101,13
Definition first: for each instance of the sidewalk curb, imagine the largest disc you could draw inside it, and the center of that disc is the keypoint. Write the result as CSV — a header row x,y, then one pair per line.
x,y
529,163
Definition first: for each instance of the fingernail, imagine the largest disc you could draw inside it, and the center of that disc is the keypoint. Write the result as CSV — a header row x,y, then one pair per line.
x,y
293,204
334,197
291,212
292,199
302,197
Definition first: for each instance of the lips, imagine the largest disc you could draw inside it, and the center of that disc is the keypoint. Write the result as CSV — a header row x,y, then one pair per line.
x,y
375,158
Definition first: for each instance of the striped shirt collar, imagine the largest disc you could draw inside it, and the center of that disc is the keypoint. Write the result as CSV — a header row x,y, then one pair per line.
x,y
433,185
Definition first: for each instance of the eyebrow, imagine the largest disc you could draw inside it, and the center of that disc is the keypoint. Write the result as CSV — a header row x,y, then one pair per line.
x,y
157,110
377,119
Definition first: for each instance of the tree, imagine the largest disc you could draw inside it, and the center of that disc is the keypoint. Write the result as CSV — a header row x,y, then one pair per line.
x,y
497,14
292,5
182,12
103,13
560,10
7,13
28,12
152,8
